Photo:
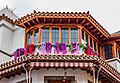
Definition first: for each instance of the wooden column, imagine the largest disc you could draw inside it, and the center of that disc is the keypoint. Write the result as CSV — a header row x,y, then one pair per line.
x,y
69,35
114,50
50,35
96,47
79,33
84,37
102,52
39,35
33,32
60,35
92,44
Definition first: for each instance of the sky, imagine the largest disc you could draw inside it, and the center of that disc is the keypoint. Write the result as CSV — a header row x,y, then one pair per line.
x,y
106,12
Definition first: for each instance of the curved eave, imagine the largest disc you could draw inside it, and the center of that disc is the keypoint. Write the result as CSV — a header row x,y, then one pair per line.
x,y
84,19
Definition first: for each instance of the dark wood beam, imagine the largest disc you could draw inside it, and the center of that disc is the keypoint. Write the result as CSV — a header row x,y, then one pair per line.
x,y
77,20
37,20
86,24
69,20
90,27
44,20
83,21
96,34
93,30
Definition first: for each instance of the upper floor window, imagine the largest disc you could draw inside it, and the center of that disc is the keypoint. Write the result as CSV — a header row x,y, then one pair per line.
x,y
45,34
82,34
74,35
119,53
65,35
30,37
36,36
86,38
99,48
55,35
94,46
90,42
108,51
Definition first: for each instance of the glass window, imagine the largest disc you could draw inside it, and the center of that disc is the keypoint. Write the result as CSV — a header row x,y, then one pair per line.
x,y
55,35
90,42
65,35
94,46
86,38
108,51
29,37
119,54
36,36
45,34
74,35
99,48
82,34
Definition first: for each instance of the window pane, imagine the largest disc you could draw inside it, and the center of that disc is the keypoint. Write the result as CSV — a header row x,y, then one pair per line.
x,y
82,34
90,42
99,48
29,37
55,35
74,35
108,51
94,46
45,34
65,35
87,38
36,36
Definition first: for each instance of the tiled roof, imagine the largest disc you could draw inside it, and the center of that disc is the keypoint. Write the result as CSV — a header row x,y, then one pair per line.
x,y
6,18
110,71
61,15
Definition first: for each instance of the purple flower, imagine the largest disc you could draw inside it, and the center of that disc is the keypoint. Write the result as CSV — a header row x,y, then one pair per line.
x,y
57,49
48,47
15,55
64,48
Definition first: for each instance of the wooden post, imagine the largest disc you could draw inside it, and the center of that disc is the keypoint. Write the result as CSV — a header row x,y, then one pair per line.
x,y
60,35
39,35
79,33
33,32
50,35
114,50
69,35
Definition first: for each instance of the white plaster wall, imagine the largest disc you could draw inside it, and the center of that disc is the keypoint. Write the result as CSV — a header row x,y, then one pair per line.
x,y
115,64
1,29
7,39
38,75
4,58
118,66
18,38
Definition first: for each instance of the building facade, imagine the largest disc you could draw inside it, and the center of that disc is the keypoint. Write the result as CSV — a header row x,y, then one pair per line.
x,y
55,47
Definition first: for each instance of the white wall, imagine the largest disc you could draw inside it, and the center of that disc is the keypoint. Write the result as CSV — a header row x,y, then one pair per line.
x,y
18,38
115,63
1,29
38,75
7,39
4,58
